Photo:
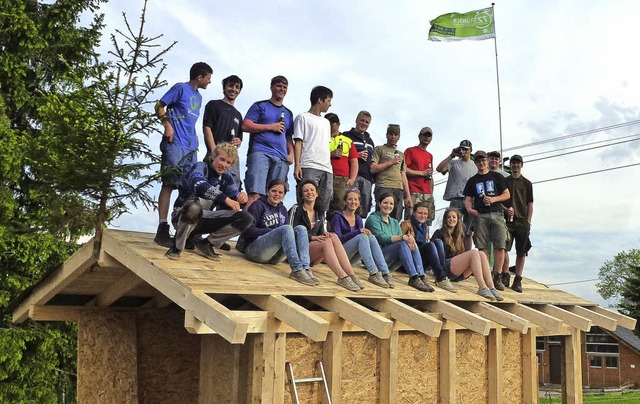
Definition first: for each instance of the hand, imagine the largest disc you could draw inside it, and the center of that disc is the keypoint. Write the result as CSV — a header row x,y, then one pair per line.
x,y
487,200
277,127
363,154
242,198
336,154
472,212
365,231
297,173
410,239
232,204
289,158
168,132
236,141
408,202
350,182
428,172
412,246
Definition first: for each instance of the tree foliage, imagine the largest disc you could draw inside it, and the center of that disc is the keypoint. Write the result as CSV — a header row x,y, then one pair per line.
x,y
631,295
614,274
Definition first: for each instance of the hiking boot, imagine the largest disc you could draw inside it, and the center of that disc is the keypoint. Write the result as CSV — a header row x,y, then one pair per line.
x,y
497,281
356,280
347,283
506,279
416,282
377,279
162,235
517,284
173,254
312,276
446,285
189,244
424,280
302,277
496,294
387,278
486,293
206,250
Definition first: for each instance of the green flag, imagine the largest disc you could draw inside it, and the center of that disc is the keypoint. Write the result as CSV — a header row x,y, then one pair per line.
x,y
475,25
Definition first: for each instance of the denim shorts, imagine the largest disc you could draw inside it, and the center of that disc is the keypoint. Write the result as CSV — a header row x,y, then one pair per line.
x,y
262,169
176,163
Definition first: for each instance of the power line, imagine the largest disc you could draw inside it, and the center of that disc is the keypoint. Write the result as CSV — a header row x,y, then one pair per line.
x,y
573,282
582,150
587,173
586,144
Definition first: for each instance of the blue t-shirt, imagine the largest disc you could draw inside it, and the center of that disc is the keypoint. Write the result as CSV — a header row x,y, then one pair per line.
x,y
183,108
271,143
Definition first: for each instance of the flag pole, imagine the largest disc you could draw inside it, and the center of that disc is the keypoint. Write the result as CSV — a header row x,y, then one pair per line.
x,y
495,44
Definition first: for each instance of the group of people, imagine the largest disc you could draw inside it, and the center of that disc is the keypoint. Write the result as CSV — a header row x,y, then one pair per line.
x,y
335,174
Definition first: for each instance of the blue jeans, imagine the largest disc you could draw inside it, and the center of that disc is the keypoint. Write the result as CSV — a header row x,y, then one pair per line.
x,y
399,254
280,243
262,169
366,248
433,255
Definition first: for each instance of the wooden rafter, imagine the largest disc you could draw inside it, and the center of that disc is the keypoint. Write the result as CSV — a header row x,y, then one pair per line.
x,y
458,315
599,320
623,321
549,323
574,320
119,288
369,320
408,315
502,317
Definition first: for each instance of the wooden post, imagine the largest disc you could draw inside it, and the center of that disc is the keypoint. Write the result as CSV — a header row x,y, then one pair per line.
x,y
207,377
279,363
529,368
332,360
389,369
572,372
263,368
447,379
494,351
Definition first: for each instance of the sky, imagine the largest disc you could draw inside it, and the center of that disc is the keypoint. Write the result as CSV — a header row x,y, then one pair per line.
x,y
564,68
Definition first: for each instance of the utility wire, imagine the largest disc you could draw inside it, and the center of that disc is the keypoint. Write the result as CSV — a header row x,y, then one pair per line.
x,y
635,137
587,173
582,150
572,282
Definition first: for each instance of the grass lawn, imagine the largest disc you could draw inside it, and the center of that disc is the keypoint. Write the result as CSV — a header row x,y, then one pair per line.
x,y
633,397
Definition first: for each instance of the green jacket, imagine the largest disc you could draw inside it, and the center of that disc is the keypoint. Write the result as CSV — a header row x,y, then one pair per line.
x,y
383,230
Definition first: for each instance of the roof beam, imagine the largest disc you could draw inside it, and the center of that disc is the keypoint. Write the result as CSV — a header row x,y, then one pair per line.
x,y
68,272
458,315
572,319
549,323
502,317
623,321
296,316
597,319
415,318
361,316
117,289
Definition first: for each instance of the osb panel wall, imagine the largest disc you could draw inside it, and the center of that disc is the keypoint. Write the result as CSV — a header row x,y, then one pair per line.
x,y
107,358
303,352
226,369
471,357
360,364
417,368
511,366
168,358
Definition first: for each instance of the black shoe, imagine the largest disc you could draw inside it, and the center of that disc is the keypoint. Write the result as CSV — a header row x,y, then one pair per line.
x,y
225,247
163,237
497,281
189,244
417,283
517,284
173,254
206,250
506,279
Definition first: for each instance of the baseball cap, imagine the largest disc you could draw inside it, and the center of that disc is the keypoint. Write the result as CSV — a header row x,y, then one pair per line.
x,y
426,130
393,128
516,157
494,154
465,144
479,153
279,79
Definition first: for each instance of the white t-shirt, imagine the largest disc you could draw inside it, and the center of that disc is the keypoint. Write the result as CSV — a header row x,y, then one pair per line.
x,y
315,133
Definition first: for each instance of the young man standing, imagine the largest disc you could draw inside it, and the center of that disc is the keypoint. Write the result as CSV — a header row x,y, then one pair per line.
x,y
312,136
388,165
270,153
178,110
222,123
519,211
484,193
344,160
209,186
364,146
493,158
420,174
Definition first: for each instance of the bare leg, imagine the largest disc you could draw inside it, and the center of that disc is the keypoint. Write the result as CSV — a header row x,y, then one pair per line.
x,y
498,260
323,251
520,264
505,265
486,270
250,199
341,254
469,262
164,200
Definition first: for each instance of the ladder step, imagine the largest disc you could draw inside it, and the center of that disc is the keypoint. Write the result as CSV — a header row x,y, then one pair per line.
x,y
310,380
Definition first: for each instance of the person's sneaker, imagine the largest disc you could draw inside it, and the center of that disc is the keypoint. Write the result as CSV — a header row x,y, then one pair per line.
x,y
426,282
506,279
446,285
497,281
377,279
496,294
347,283
416,282
173,254
206,250
302,277
356,280
486,293
225,247
163,237
387,278
312,276
517,284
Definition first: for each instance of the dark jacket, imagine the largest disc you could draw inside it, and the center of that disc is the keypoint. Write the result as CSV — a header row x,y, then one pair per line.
x,y
266,217
298,216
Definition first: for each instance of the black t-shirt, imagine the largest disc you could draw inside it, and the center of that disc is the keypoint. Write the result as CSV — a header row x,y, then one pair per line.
x,y
221,118
481,185
362,141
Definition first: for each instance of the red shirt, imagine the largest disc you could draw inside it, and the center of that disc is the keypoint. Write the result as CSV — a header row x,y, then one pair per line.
x,y
341,165
418,160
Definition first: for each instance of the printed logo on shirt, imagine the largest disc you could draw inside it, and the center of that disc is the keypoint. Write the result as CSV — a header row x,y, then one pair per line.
x,y
194,103
272,219
480,188
491,187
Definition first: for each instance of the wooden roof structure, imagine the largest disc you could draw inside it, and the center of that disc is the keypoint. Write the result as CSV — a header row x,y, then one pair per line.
x,y
233,297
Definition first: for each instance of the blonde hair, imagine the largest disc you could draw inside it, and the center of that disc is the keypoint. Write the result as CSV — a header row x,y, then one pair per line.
x,y
227,148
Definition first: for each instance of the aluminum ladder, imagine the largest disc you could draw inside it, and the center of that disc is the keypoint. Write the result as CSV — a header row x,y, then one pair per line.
x,y
293,382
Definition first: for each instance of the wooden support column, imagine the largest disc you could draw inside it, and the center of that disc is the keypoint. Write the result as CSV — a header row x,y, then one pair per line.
x,y
279,363
571,370
447,379
389,369
332,361
530,390
263,369
494,371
